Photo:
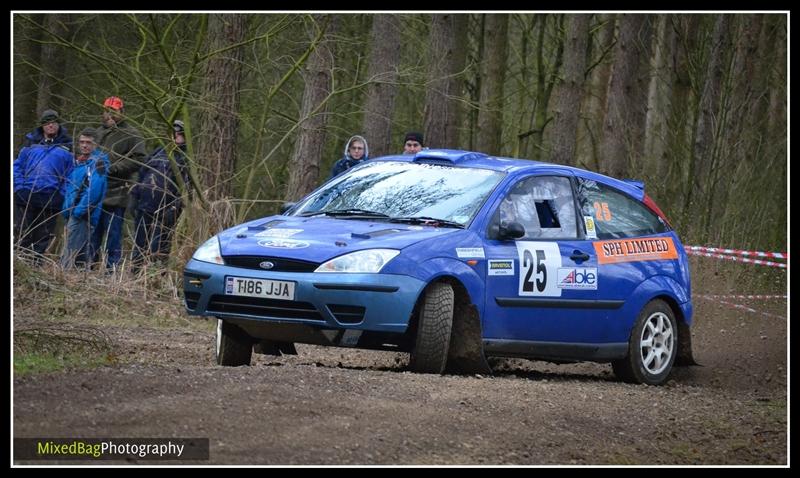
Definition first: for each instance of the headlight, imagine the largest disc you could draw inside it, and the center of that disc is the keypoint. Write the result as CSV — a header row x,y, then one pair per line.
x,y
369,261
209,252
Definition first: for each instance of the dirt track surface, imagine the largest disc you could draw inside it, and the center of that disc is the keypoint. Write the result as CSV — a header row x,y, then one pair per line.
x,y
342,406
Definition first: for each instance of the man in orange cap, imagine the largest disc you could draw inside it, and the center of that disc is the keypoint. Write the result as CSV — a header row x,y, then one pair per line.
x,y
126,152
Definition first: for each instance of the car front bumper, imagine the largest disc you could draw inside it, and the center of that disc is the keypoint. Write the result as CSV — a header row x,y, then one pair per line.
x,y
368,302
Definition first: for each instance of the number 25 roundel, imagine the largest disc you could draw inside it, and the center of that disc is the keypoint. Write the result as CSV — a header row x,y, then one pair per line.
x,y
538,268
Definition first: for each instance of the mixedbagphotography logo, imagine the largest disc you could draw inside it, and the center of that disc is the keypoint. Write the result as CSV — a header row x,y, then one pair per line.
x,y
128,449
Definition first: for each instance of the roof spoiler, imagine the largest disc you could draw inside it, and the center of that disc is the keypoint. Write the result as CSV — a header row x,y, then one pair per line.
x,y
636,183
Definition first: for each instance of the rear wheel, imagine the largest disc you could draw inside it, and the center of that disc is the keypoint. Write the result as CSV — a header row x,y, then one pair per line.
x,y
234,346
433,329
652,347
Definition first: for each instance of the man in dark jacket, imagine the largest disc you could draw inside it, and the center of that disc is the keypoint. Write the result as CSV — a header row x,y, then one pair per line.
x,y
40,173
126,151
158,198
49,131
355,152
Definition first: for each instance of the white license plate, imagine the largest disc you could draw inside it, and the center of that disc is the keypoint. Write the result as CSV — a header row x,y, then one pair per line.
x,y
274,289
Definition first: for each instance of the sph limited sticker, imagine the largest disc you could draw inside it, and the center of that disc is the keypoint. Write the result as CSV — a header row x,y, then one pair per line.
x,y
283,243
464,252
635,250
504,267
577,278
538,268
591,231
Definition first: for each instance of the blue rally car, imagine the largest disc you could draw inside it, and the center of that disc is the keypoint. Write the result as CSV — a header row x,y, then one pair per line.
x,y
455,256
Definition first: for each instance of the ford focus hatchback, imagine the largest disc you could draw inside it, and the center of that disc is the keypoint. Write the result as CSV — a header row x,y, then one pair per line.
x,y
455,256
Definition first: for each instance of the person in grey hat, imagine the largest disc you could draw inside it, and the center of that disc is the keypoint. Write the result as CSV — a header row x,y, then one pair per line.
x,y
157,197
49,131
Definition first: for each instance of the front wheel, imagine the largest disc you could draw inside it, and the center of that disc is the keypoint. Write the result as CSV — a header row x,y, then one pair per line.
x,y
652,347
234,346
433,329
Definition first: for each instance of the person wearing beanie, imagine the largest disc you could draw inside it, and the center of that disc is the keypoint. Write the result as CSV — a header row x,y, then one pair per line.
x,y
157,199
413,143
40,172
49,131
355,152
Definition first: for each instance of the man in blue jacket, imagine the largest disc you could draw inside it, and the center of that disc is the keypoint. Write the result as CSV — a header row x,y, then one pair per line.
x,y
158,198
85,190
40,172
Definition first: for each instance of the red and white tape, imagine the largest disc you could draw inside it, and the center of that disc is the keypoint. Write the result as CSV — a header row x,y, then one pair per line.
x,y
738,259
738,252
749,297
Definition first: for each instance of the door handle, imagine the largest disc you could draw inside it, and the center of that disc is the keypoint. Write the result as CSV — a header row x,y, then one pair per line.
x,y
578,256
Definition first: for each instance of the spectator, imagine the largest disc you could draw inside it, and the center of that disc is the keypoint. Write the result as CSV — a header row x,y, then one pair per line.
x,y
355,152
158,199
40,173
413,143
49,131
85,189
126,152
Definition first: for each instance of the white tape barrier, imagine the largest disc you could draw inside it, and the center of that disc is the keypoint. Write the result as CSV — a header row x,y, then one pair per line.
x,y
734,258
739,306
738,252
756,297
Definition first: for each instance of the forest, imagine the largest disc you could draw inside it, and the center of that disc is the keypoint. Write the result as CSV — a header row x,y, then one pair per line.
x,y
694,105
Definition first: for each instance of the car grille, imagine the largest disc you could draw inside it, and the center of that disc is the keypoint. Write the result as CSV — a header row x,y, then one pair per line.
x,y
347,314
279,264
283,309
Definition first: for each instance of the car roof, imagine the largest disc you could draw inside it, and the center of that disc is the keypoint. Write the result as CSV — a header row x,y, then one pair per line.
x,y
512,166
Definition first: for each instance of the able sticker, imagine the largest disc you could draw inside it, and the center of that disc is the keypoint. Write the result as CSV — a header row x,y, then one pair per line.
x,y
278,232
464,252
577,278
503,267
591,231
634,250
538,268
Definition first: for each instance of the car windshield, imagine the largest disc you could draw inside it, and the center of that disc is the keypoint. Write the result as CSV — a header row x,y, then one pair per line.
x,y
405,190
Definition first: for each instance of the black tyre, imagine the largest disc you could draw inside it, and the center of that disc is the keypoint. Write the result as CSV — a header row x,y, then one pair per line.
x,y
234,346
433,329
652,347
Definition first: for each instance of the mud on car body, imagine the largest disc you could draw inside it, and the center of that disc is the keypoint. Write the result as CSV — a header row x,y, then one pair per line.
x,y
454,256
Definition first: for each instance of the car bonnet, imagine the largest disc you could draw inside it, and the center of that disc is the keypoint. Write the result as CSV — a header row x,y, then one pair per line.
x,y
319,239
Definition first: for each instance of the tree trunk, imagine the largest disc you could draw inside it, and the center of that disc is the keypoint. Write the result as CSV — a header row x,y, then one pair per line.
x,y
658,104
219,122
702,146
493,67
445,82
50,94
616,148
304,165
568,92
26,49
384,63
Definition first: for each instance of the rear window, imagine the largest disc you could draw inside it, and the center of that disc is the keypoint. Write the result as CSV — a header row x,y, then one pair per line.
x,y
615,214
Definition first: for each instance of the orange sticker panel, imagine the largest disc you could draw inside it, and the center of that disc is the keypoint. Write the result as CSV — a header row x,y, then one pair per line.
x,y
634,250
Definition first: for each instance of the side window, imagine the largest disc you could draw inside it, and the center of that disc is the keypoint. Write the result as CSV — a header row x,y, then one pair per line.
x,y
543,205
616,215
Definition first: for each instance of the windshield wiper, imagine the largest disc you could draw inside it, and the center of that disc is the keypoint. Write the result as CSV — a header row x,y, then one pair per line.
x,y
428,221
346,212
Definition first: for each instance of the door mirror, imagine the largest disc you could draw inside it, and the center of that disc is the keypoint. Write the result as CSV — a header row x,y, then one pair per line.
x,y
511,231
286,206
